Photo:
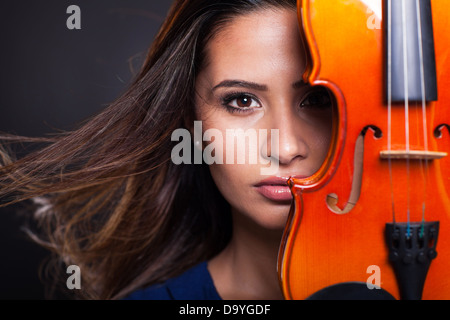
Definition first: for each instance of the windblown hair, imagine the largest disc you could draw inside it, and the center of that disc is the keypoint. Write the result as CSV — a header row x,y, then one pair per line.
x,y
109,199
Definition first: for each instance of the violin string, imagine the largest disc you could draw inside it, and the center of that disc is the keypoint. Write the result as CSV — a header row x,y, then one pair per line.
x,y
405,77
389,102
424,111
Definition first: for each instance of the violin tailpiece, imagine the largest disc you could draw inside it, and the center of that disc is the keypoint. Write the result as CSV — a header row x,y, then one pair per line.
x,y
412,247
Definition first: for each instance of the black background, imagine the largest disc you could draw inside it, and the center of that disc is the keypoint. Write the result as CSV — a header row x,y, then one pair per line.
x,y
52,78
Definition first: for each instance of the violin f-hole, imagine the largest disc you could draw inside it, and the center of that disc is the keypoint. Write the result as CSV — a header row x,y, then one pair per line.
x,y
358,164
438,130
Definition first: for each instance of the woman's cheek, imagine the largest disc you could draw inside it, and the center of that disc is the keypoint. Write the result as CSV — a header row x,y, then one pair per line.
x,y
233,181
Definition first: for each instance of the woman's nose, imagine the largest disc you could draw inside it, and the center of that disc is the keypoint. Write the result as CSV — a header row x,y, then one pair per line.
x,y
291,144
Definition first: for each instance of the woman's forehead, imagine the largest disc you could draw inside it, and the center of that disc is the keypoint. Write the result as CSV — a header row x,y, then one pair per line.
x,y
256,44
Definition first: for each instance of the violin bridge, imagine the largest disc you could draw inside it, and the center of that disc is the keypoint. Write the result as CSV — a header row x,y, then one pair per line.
x,y
412,155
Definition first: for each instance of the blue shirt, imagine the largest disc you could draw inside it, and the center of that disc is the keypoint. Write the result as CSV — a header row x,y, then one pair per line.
x,y
194,284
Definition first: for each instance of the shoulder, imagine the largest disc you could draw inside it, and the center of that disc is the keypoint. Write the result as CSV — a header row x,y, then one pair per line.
x,y
194,284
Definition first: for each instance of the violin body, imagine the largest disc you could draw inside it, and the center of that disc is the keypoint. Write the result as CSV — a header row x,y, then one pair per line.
x,y
382,168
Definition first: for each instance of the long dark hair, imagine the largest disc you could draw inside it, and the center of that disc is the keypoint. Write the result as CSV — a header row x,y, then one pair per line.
x,y
109,199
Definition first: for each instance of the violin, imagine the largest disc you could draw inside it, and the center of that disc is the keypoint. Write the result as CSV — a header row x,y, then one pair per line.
x,y
374,220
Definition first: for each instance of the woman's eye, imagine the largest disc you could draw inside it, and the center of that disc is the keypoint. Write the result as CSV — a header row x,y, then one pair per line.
x,y
240,102
316,99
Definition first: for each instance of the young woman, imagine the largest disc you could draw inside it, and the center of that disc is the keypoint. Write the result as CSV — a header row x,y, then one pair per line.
x,y
111,199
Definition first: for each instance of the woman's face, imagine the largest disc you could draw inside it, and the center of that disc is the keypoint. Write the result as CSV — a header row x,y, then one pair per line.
x,y
252,80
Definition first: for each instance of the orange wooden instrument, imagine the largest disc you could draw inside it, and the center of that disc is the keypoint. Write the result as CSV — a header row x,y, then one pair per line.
x,y
375,219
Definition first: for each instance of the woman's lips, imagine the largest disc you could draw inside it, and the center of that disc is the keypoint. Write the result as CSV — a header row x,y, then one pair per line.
x,y
275,193
275,189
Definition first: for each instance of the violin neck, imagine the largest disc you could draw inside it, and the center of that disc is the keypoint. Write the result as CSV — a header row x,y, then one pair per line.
x,y
410,53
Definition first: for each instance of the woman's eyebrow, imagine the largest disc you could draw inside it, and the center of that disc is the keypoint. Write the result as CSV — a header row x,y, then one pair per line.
x,y
251,85
241,84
